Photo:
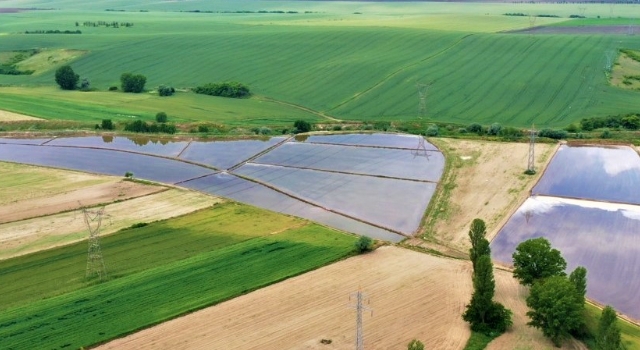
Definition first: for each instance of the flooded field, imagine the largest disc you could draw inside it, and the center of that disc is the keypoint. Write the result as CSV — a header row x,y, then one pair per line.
x,y
598,173
603,237
370,184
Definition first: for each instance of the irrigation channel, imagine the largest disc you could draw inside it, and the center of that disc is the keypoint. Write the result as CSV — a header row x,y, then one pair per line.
x,y
586,204
377,185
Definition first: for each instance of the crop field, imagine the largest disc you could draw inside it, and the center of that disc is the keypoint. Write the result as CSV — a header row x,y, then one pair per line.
x,y
44,232
329,61
161,270
412,295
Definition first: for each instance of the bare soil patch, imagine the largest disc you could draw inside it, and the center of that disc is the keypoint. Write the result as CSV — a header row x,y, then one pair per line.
x,y
26,236
6,116
520,337
413,295
114,190
490,184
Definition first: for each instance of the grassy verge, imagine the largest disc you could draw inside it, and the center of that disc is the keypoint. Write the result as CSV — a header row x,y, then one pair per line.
x,y
478,341
156,272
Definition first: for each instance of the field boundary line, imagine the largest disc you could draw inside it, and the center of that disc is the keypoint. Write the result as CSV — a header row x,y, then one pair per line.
x,y
306,109
398,71
234,167
184,149
345,172
306,201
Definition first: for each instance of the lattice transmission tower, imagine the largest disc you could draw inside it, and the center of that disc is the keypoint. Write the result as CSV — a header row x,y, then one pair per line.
x,y
95,262
361,299
531,167
422,95
421,150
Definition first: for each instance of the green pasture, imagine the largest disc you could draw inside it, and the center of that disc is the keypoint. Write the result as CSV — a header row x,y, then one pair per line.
x,y
156,272
53,103
349,60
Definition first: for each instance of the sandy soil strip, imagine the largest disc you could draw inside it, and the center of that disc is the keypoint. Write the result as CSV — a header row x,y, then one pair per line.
x,y
490,185
101,193
413,295
26,236
6,116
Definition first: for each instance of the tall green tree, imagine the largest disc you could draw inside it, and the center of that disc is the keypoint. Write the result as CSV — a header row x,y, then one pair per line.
x,y
579,279
556,308
479,244
67,78
534,259
608,337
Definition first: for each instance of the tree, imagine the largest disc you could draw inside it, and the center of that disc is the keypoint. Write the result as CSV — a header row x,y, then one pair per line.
x,y
479,244
483,290
302,126
415,345
67,78
608,337
107,124
534,259
161,117
166,90
579,279
556,308
132,82
364,244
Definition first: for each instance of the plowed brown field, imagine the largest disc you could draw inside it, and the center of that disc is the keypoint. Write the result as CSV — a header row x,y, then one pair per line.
x,y
412,295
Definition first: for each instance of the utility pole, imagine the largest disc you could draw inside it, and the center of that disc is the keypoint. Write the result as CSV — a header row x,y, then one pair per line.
x,y
360,307
95,262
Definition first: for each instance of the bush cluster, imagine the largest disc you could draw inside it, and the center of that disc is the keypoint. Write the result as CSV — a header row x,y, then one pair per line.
x,y
132,82
226,89
628,121
166,90
144,127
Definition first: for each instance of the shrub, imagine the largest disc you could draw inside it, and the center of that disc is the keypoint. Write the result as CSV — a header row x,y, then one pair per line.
x,y
384,126
494,129
301,126
107,124
553,134
475,127
264,131
462,130
606,134
364,244
166,90
432,130
132,82
113,88
139,224
203,128
85,85
67,78
226,89
337,128
128,174
161,117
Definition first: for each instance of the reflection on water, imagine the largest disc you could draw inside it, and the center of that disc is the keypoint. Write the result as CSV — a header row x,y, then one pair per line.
x,y
107,138
301,138
610,174
602,237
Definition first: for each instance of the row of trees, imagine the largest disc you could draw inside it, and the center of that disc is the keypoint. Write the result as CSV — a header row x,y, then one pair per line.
x,y
67,79
226,89
556,300
483,313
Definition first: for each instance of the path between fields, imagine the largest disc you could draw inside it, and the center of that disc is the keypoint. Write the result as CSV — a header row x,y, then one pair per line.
x,y
412,295
398,71
306,109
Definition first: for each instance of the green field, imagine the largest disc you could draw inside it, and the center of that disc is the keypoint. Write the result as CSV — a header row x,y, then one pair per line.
x,y
333,61
155,273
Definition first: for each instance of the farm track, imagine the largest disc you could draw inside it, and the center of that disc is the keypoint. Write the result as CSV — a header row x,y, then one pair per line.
x,y
303,108
398,71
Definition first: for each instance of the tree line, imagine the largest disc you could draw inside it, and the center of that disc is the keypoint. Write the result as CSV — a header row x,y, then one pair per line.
x,y
556,300
53,31
112,24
